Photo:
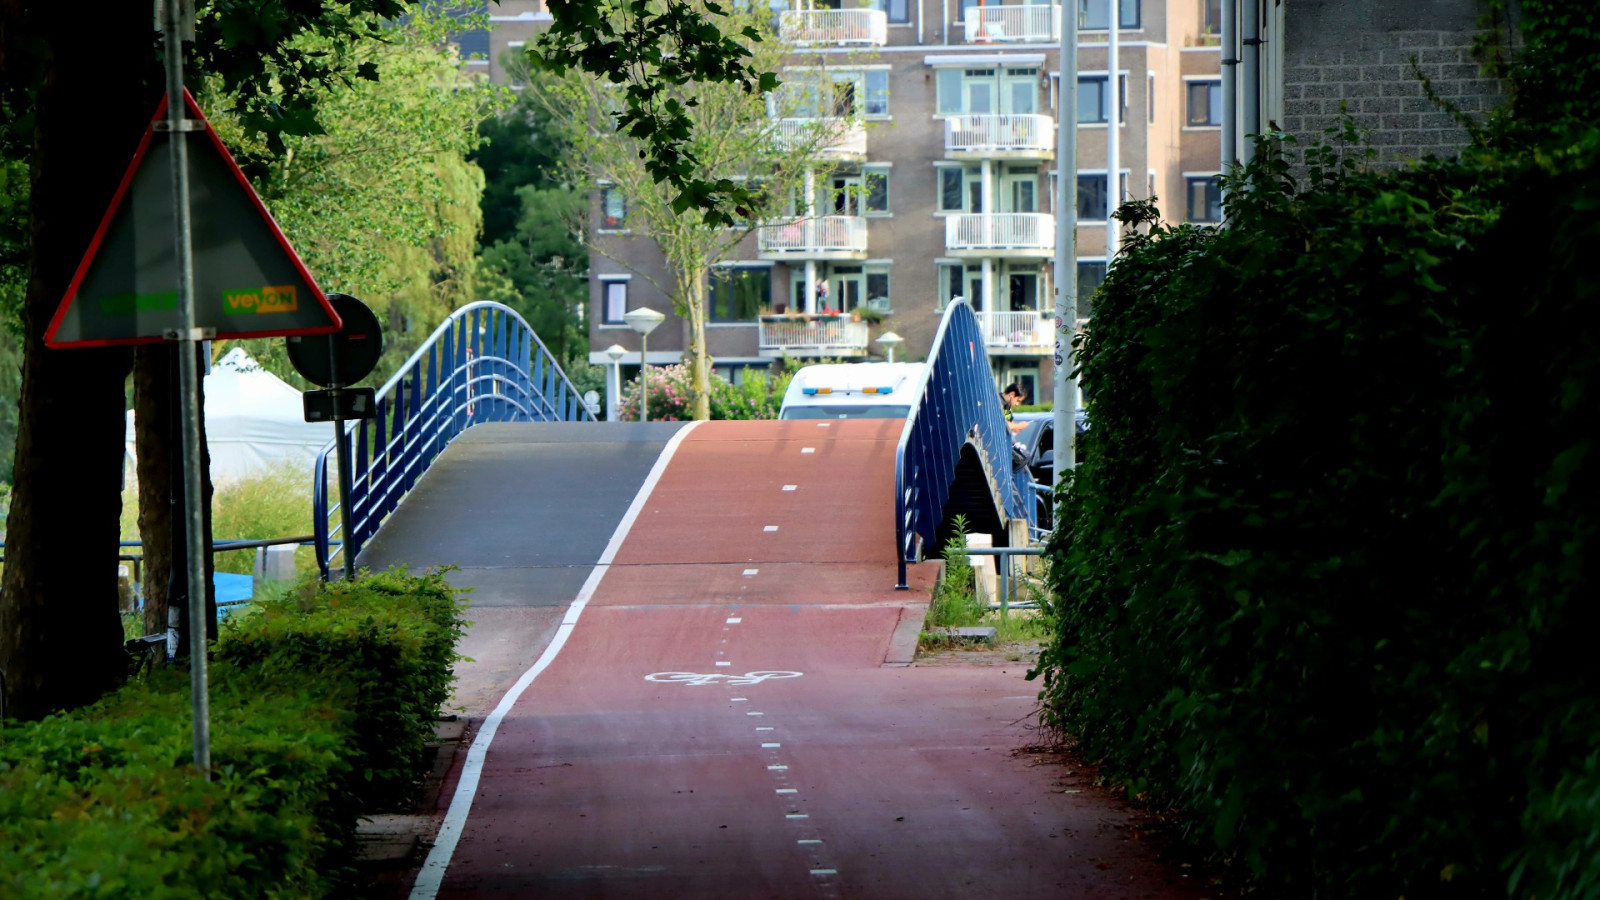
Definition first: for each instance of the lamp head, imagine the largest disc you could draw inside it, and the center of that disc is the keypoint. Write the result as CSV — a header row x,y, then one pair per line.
x,y
643,320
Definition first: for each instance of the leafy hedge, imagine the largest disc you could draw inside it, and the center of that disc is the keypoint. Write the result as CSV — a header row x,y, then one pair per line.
x,y
102,802
1322,576
758,396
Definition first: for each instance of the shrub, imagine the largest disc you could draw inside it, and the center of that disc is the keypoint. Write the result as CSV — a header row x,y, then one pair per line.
x,y
387,638
757,396
1321,575
102,802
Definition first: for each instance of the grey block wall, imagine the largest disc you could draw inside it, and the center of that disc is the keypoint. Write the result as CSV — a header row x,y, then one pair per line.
x,y
1356,55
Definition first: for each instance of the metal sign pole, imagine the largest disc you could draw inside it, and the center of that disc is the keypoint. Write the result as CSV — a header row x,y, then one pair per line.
x,y
177,125
1066,391
342,450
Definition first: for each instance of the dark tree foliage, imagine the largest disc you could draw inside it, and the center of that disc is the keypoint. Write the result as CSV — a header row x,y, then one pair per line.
x,y
1322,578
647,47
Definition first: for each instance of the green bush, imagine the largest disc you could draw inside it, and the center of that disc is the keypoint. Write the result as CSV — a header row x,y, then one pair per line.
x,y
955,597
1321,577
306,733
757,396
387,638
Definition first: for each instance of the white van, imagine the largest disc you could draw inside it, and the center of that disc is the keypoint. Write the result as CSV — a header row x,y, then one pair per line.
x,y
853,391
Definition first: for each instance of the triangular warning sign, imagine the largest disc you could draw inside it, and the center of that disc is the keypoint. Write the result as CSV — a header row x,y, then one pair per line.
x,y
248,282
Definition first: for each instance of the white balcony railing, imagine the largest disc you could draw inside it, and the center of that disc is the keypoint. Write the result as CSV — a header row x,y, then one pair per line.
x,y
1025,331
812,236
1029,232
829,137
1010,24
834,26
1032,134
831,335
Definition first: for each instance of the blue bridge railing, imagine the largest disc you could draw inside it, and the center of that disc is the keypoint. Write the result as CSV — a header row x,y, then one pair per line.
x,y
959,405
483,364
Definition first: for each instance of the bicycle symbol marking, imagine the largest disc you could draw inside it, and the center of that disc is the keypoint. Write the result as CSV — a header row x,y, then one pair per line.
x,y
696,679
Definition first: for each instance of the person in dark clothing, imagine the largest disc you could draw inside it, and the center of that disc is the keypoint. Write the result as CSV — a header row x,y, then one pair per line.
x,y
1012,396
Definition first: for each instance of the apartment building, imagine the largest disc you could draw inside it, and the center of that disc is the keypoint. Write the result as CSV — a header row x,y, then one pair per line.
x,y
939,181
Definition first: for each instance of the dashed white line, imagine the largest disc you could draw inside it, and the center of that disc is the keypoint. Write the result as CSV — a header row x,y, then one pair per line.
x,y
741,699
749,572
777,768
809,841
770,528
787,790
808,449
734,620
796,816
790,487
771,745
824,871
755,714
764,728
725,662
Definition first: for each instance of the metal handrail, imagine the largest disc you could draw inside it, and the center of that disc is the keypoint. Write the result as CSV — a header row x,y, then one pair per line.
x,y
478,366
958,405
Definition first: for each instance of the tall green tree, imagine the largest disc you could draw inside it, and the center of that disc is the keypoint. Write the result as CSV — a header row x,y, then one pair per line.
x,y
732,135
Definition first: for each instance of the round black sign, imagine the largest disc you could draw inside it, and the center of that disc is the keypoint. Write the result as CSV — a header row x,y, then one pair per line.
x,y
346,356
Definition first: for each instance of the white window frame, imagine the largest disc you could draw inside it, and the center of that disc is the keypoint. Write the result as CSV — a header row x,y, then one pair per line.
x,y
607,283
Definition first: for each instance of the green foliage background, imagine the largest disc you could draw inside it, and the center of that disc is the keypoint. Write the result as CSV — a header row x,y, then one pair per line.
x,y
1321,576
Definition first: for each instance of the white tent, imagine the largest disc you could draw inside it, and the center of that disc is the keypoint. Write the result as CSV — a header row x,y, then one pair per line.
x,y
254,421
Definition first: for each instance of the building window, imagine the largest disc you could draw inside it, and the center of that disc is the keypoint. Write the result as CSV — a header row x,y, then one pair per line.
x,y
1210,16
816,94
1092,200
736,294
1205,103
896,10
614,296
1205,199
877,85
1150,98
878,288
1091,274
951,195
875,190
1092,14
613,209
1092,98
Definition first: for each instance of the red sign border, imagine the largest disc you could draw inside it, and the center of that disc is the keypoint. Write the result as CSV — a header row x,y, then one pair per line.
x,y
116,204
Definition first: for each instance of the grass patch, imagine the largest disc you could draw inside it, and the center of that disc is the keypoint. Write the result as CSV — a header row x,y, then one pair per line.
x,y
275,503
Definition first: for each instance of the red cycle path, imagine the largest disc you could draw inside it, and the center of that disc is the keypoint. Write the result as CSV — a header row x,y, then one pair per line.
x,y
848,779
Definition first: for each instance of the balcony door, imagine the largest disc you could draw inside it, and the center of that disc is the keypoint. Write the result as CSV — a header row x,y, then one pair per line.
x,y
847,191
1019,189
847,286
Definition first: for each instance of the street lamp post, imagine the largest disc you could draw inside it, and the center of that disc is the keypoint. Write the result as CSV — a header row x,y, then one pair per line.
x,y
890,340
644,320
616,352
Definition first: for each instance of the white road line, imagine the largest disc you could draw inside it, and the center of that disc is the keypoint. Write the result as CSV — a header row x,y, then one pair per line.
x,y
724,663
434,867
755,714
796,816
735,620
749,572
787,790
790,487
741,699
824,871
777,768
765,728
770,528
771,745
811,840
808,449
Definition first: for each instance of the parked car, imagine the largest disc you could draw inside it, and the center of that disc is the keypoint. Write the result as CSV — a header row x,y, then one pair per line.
x,y
1034,435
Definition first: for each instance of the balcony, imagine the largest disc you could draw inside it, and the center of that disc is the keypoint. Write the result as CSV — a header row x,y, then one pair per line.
x,y
1027,333
1013,24
834,27
1011,235
829,138
779,336
999,137
823,237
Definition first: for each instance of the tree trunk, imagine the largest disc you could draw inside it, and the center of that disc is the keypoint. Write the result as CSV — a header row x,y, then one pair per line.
x,y
692,284
60,631
160,452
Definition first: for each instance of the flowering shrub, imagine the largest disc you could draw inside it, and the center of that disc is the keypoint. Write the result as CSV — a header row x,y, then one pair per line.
x,y
758,396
